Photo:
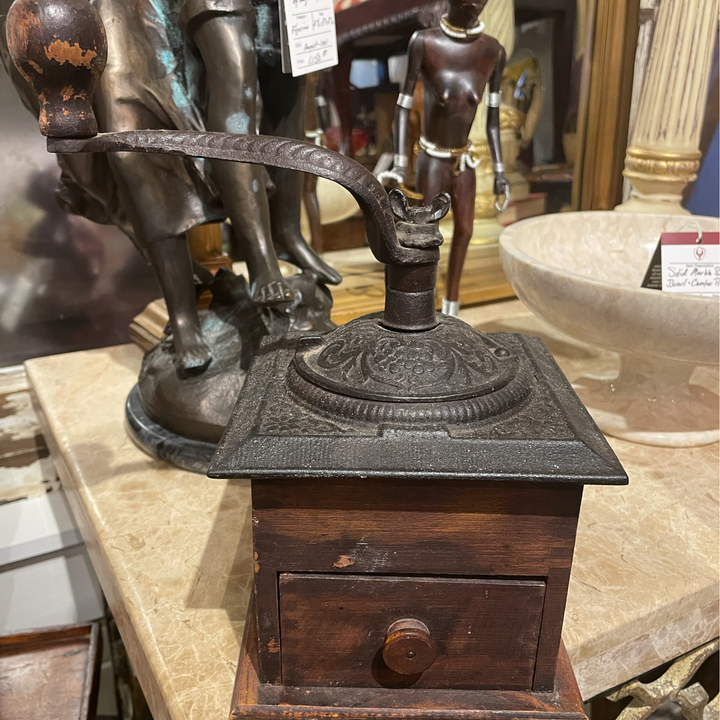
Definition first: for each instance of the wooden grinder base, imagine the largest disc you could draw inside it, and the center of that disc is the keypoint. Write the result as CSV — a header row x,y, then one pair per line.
x,y
252,699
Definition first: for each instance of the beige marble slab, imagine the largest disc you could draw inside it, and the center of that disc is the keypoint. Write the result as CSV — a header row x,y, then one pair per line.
x,y
172,550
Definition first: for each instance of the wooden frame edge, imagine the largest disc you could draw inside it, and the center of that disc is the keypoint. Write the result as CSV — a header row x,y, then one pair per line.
x,y
604,123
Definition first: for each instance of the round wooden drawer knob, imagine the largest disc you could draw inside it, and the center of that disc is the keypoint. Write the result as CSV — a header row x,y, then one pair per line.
x,y
409,649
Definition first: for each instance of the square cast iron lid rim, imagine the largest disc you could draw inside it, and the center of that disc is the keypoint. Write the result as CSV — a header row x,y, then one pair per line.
x,y
568,450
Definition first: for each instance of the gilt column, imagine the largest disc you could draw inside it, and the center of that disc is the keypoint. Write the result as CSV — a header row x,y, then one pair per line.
x,y
664,156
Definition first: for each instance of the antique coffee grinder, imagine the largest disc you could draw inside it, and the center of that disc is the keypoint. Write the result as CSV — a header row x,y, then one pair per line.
x,y
416,484
416,487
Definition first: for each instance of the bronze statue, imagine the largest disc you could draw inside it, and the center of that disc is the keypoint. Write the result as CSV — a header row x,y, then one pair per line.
x,y
174,68
191,65
455,62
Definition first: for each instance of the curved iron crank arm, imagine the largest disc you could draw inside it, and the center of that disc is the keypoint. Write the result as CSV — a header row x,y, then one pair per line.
x,y
275,152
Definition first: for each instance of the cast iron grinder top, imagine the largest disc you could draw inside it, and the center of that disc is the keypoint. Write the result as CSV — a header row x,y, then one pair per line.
x,y
409,393
408,365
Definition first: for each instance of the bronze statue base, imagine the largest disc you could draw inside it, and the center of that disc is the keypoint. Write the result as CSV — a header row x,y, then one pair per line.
x,y
181,419
160,443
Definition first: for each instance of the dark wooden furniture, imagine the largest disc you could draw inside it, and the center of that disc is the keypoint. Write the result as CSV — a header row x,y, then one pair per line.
x,y
50,673
485,565
416,487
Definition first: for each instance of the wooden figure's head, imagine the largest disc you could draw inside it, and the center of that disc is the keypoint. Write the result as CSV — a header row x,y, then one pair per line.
x,y
469,8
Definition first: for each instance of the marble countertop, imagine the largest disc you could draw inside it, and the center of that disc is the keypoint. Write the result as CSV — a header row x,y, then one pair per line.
x,y
172,550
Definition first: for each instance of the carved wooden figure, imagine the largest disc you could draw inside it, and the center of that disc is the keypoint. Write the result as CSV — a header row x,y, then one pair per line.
x,y
455,62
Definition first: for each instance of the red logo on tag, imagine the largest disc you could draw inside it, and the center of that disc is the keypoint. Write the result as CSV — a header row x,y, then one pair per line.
x,y
699,252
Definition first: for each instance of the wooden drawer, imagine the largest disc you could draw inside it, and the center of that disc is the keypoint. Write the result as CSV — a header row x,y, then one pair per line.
x,y
333,628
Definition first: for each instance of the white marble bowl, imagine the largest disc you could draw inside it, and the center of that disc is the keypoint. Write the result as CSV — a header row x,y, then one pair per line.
x,y
581,272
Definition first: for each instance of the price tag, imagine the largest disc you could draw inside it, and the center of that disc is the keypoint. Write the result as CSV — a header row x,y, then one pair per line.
x,y
691,262
308,35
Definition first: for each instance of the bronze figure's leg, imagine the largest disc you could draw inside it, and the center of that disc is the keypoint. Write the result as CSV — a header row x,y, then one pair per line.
x,y
228,51
463,207
339,91
312,208
169,257
283,116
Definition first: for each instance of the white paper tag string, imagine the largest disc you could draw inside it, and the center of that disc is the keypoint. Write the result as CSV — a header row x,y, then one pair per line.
x,y
695,225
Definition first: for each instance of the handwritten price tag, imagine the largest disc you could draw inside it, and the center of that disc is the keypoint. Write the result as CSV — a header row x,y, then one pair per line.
x,y
689,266
308,35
